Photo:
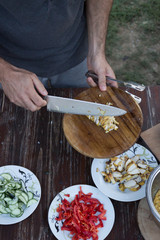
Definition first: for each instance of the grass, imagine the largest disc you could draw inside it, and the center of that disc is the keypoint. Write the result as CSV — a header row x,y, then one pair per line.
x,y
132,45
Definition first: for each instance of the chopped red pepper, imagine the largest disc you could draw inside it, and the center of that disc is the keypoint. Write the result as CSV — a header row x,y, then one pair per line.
x,y
67,195
82,216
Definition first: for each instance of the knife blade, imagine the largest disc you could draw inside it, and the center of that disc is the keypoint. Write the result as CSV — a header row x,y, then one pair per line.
x,y
73,106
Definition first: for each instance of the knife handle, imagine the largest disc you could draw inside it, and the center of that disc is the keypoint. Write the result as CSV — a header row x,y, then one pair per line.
x,y
94,76
133,85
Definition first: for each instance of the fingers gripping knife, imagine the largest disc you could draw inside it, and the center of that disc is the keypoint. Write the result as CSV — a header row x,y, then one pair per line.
x,y
133,85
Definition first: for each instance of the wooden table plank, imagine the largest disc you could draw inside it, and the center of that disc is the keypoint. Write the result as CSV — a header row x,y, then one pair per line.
x,y
36,141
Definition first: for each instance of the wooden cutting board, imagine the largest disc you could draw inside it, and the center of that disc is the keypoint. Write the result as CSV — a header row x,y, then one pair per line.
x,y
91,140
146,223
152,139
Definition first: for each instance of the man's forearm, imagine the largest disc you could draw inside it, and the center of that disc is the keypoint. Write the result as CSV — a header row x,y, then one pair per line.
x,y
97,20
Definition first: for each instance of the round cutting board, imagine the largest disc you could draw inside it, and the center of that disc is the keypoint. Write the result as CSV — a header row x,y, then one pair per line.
x,y
92,141
149,229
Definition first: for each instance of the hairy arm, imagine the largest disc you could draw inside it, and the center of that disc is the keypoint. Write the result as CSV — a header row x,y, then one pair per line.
x,y
97,12
22,87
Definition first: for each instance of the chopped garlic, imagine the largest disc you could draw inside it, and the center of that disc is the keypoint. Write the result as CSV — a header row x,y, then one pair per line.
x,y
108,123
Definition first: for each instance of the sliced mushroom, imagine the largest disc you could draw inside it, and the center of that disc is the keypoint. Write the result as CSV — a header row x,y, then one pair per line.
x,y
114,158
107,169
135,158
136,188
127,162
112,178
131,166
141,183
130,172
103,173
117,174
142,165
142,171
134,171
121,166
130,184
112,167
117,162
107,179
138,179
122,187
126,177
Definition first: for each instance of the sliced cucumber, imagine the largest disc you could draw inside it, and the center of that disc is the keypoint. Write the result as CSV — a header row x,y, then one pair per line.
x,y
20,205
13,206
19,191
18,185
13,201
2,196
8,210
2,202
7,199
3,189
30,195
16,212
22,199
2,209
13,196
1,183
30,202
17,194
6,176
13,215
25,196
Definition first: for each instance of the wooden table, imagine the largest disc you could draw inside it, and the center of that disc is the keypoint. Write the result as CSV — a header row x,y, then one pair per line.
x,y
36,141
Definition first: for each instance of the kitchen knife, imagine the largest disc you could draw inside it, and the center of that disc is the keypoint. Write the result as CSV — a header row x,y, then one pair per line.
x,y
73,106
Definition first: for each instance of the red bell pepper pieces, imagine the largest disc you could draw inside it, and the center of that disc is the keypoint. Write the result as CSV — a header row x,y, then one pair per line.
x,y
82,216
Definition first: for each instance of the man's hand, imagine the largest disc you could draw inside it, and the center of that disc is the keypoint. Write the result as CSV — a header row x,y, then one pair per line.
x,y
100,66
22,87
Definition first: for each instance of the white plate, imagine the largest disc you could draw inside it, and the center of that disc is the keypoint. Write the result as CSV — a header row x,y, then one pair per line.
x,y
112,190
30,182
55,226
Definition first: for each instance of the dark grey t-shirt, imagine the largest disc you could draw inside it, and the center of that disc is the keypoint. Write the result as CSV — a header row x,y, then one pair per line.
x,y
46,37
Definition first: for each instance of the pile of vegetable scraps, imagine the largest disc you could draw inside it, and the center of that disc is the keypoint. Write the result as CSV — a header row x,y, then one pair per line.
x,y
82,216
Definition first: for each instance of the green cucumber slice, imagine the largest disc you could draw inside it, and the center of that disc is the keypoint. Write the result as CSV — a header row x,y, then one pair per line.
x,y
2,196
30,195
7,199
12,215
2,209
22,199
18,185
32,201
20,205
13,206
6,176
25,196
13,201
16,212
19,191
3,189
8,210
13,196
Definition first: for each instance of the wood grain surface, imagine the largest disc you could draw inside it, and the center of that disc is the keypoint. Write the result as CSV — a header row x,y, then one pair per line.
x,y
146,223
37,141
152,138
89,139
